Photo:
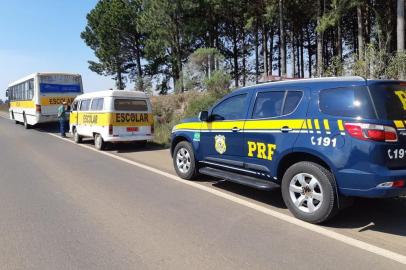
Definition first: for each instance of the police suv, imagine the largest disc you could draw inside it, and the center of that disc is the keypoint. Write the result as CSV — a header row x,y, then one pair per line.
x,y
322,141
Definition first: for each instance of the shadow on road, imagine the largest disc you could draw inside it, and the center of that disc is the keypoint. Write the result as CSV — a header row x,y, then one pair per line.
x,y
381,215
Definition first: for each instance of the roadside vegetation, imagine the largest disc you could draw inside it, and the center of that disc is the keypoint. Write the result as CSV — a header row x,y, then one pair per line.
x,y
196,51
3,106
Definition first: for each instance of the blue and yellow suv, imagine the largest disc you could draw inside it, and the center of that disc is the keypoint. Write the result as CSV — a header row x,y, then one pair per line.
x,y
322,140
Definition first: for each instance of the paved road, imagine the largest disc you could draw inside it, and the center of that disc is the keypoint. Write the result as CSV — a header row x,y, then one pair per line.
x,y
66,207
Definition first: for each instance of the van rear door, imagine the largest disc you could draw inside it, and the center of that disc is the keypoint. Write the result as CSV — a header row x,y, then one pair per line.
x,y
132,117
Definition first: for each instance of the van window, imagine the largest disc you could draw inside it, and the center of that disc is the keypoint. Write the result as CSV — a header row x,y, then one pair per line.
x,y
130,105
84,105
75,106
97,104
230,109
268,104
347,102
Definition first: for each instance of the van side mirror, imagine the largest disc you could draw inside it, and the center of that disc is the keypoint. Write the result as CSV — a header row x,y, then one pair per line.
x,y
204,116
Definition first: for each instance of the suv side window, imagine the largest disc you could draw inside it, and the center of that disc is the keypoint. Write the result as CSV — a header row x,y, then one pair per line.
x,y
292,100
268,104
347,102
230,109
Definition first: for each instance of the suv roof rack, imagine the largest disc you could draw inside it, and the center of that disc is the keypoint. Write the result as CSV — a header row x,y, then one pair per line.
x,y
272,78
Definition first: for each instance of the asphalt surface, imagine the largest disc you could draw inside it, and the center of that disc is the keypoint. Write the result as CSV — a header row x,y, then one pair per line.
x,y
66,207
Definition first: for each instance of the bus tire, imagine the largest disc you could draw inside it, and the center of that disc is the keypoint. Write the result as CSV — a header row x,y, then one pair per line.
x,y
26,125
76,137
99,142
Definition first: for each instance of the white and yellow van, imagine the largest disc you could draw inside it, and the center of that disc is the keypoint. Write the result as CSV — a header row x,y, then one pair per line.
x,y
112,116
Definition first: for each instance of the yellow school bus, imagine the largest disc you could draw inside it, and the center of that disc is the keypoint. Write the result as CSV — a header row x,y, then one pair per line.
x,y
35,98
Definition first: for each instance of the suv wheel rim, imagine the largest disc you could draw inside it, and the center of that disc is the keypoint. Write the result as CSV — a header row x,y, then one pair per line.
x,y
306,192
183,160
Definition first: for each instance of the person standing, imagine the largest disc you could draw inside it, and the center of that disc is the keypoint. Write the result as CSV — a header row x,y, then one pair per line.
x,y
62,118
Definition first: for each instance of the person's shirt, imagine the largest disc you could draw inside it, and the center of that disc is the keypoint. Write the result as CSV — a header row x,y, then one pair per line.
x,y
61,112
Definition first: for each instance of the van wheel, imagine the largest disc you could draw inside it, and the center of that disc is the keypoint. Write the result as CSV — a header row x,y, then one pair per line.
x,y
26,125
184,161
309,191
99,142
76,137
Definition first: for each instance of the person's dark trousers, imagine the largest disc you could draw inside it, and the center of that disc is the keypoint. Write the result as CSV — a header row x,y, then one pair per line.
x,y
62,126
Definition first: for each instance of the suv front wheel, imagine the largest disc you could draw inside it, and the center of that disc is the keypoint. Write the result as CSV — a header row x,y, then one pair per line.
x,y
184,161
309,191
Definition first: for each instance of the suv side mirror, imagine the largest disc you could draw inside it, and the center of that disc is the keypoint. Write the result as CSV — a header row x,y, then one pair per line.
x,y
204,116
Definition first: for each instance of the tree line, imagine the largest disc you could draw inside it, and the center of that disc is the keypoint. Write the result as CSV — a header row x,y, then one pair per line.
x,y
150,42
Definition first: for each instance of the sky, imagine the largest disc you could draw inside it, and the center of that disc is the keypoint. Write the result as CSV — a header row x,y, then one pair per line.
x,y
44,35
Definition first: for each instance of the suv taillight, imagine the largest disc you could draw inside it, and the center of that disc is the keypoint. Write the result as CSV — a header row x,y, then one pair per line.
x,y
372,132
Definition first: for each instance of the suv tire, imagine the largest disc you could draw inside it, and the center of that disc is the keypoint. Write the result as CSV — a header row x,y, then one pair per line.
x,y
309,191
184,161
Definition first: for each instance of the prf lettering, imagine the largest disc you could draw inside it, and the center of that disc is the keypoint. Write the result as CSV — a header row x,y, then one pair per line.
x,y
402,96
261,150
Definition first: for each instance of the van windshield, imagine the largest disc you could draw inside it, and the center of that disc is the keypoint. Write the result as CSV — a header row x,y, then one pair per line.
x,y
390,100
130,105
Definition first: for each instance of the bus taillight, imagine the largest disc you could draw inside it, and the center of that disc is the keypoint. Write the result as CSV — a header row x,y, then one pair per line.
x,y
38,108
110,129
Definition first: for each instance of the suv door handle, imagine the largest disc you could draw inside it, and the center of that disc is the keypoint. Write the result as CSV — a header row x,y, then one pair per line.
x,y
286,129
235,129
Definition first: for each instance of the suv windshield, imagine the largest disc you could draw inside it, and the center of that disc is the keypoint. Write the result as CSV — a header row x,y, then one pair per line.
x,y
390,100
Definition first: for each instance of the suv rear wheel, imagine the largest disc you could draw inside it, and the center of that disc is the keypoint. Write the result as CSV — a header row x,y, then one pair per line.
x,y
184,161
309,191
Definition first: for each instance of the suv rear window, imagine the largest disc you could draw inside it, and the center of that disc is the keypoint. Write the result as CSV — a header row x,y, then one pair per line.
x,y
130,105
347,102
390,100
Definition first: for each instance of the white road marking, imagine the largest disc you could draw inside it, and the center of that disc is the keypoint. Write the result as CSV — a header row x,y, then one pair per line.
x,y
292,220
289,219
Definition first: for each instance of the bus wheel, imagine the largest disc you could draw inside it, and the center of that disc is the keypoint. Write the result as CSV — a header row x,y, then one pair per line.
x,y
76,137
13,118
26,125
98,142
